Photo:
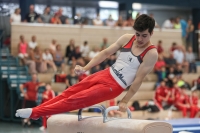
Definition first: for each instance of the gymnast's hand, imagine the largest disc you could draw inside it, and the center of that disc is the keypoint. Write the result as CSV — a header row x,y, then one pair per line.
x,y
79,70
122,106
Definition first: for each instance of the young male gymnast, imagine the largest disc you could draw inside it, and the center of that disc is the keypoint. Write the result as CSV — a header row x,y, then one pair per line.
x,y
136,59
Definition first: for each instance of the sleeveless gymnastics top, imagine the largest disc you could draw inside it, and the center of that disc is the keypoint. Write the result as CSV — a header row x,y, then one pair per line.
x,y
127,64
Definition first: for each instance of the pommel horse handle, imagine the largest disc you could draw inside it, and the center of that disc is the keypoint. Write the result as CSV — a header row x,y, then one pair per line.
x,y
101,107
104,112
105,117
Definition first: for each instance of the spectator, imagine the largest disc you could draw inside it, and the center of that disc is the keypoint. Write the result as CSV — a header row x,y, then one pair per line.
x,y
184,31
111,60
47,95
168,24
46,16
52,47
63,19
93,53
76,54
178,70
78,20
129,22
59,58
95,69
32,16
55,19
29,95
71,78
36,55
177,24
120,22
159,64
173,47
84,49
70,48
189,36
110,21
170,61
16,17
48,59
193,101
32,44
190,58
104,44
159,47
97,21
22,49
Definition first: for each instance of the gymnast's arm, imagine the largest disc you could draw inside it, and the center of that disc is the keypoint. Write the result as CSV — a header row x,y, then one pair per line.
x,y
146,67
105,53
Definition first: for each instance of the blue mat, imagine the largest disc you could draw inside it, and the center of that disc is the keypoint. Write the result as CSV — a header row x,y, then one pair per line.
x,y
190,125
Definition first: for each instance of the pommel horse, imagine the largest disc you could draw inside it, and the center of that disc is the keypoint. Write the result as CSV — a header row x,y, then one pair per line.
x,y
63,123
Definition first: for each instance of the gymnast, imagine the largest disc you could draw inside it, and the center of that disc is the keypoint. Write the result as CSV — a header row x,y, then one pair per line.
x,y
136,59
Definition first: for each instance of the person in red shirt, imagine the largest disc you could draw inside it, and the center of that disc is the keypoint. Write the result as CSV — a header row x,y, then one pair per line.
x,y
161,94
46,96
193,101
159,47
173,47
159,64
182,101
29,91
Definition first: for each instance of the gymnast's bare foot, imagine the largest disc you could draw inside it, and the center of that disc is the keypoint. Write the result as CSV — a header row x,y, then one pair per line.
x,y
24,113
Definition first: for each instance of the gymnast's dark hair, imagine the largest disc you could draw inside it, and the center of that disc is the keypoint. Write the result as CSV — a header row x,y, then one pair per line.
x,y
144,22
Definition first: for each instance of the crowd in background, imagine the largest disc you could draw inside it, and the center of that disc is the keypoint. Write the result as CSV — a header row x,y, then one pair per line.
x,y
170,86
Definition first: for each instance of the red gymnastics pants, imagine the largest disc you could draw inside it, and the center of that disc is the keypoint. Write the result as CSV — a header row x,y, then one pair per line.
x,y
93,89
193,110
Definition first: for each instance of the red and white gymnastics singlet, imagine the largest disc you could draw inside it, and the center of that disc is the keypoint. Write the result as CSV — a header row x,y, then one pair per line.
x,y
127,64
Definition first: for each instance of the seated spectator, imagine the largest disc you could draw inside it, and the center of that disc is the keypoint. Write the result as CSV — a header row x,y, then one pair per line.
x,y
120,22
97,21
36,55
111,60
170,61
182,102
71,78
178,71
95,69
32,16
190,58
173,47
16,16
30,95
177,24
180,58
196,84
46,16
110,21
48,59
159,47
22,49
59,58
171,72
193,101
47,95
63,19
32,44
162,74
76,54
70,48
84,49
78,20
52,47
93,53
104,44
161,94
159,64
168,24
55,19
129,22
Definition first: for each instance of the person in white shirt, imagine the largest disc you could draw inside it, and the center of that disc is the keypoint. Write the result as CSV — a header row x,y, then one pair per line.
x,y
97,21
168,24
16,17
84,49
93,53
179,56
110,21
32,44
48,59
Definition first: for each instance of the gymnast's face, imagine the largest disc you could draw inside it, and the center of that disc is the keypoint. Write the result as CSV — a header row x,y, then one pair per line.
x,y
142,38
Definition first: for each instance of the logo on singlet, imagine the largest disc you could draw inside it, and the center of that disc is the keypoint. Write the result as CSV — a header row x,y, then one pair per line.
x,y
130,59
119,74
